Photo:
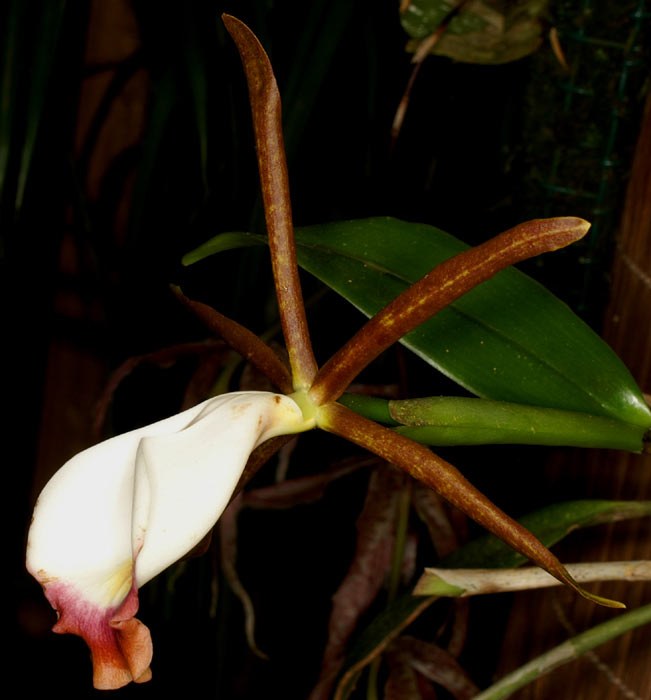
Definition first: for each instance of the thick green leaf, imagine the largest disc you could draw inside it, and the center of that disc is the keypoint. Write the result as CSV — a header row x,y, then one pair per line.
x,y
549,525
509,339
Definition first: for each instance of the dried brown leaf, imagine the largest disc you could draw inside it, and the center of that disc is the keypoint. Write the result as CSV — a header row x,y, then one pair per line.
x,y
305,489
376,527
403,682
431,510
438,665
457,641
440,475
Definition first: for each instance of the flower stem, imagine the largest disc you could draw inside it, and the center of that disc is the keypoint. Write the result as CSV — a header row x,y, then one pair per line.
x,y
436,290
272,164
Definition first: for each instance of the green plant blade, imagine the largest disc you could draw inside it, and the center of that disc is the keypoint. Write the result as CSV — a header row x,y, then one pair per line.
x,y
509,339
221,243
48,27
9,78
548,524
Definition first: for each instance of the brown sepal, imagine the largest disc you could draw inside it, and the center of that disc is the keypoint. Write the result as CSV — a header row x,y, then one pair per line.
x,y
445,479
436,290
272,164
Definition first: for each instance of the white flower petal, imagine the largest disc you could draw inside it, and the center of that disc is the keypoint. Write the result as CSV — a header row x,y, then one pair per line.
x,y
81,527
184,481
148,496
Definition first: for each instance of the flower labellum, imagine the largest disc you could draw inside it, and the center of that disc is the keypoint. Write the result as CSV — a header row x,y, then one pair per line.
x,y
117,514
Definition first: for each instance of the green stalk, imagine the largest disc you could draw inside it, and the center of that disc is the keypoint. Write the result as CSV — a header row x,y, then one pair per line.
x,y
469,421
572,649
449,421
369,407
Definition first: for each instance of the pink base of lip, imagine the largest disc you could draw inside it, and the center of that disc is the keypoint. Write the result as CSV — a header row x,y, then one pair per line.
x,y
120,646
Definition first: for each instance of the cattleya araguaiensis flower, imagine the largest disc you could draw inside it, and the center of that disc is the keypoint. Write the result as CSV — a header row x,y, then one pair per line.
x,y
119,513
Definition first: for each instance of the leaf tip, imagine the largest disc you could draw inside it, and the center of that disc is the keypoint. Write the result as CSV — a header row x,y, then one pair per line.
x,y
570,228
599,600
235,27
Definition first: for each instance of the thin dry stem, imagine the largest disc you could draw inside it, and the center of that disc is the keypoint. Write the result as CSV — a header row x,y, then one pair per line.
x,y
482,581
269,144
436,290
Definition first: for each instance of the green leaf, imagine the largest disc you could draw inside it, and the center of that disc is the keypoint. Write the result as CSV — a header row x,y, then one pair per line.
x,y
509,339
47,27
478,32
9,79
549,525
221,243
422,17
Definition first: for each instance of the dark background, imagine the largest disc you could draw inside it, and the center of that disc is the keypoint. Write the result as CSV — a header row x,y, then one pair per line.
x,y
144,150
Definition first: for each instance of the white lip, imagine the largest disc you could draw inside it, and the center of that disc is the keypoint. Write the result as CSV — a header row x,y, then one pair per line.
x,y
150,494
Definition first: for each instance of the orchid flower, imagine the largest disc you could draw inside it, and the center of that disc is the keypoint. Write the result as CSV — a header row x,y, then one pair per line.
x,y
118,513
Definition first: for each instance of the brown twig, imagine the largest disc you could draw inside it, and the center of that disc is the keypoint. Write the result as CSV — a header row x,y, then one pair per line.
x,y
436,290
267,127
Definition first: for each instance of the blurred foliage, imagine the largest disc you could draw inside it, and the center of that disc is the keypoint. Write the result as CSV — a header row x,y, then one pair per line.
x,y
476,31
